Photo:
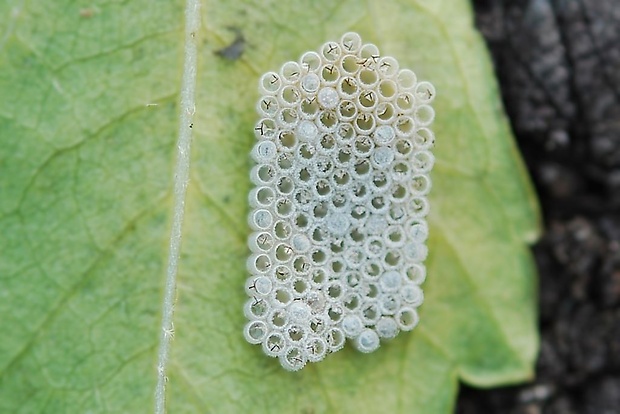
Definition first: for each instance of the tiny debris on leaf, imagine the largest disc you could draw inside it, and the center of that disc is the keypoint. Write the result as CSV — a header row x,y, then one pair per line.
x,y
234,50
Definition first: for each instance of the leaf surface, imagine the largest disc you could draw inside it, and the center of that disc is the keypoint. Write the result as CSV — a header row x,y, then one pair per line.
x,y
88,125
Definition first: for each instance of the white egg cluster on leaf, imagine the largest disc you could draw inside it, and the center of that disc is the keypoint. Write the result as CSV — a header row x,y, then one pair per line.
x,y
339,204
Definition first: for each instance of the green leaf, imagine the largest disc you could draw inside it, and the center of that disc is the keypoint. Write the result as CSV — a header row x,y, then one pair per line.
x,y
88,125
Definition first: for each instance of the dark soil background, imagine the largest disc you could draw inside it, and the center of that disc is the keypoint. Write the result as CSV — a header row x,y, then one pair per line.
x,y
558,64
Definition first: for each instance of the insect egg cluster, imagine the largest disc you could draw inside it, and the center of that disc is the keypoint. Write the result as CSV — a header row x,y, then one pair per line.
x,y
339,204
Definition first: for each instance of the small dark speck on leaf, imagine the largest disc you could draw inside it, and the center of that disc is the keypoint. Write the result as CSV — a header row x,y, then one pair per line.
x,y
234,50
88,12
